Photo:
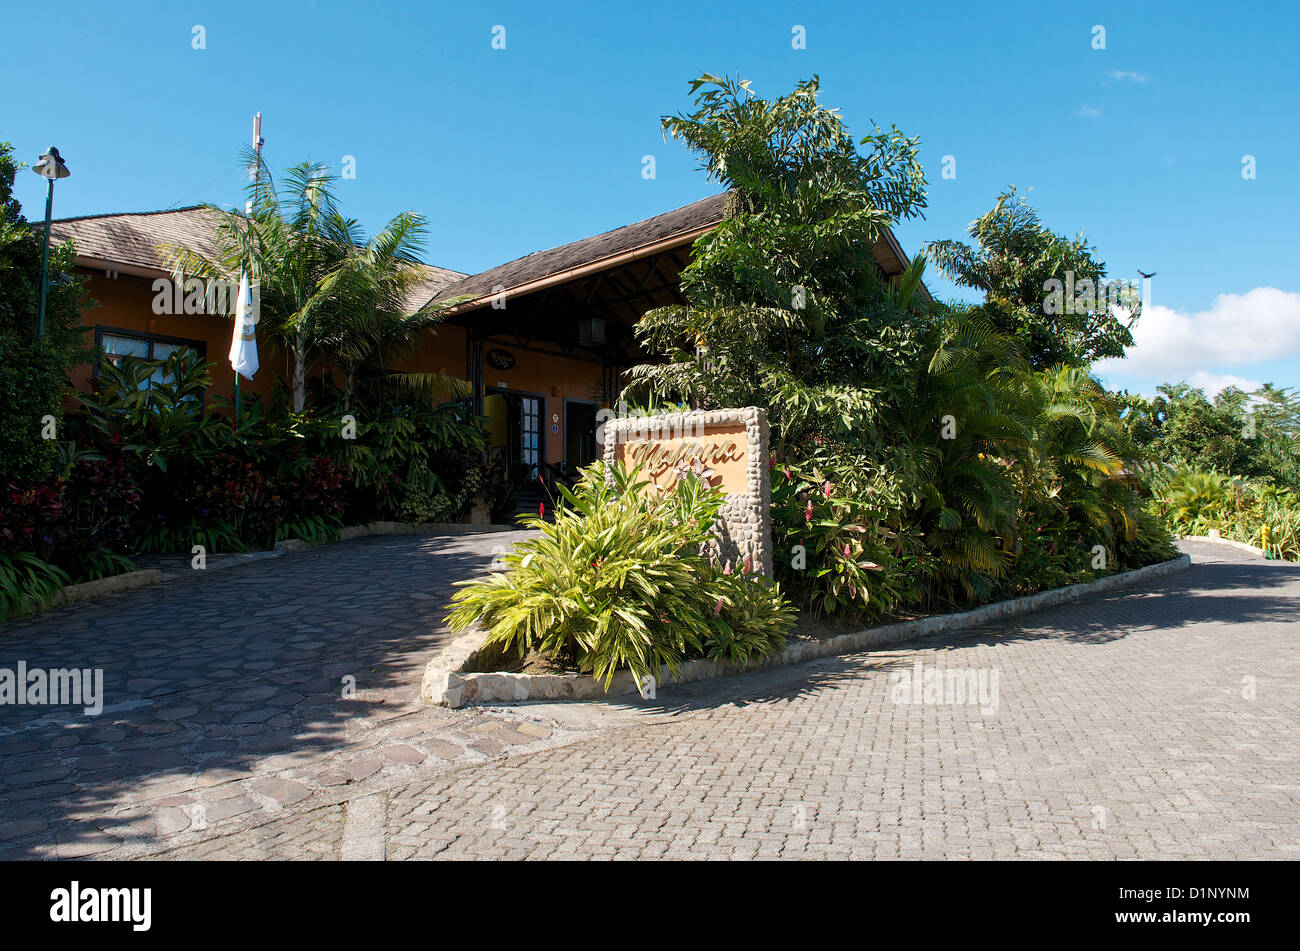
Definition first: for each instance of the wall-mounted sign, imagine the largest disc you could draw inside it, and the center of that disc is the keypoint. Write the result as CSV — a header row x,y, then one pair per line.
x,y
721,451
727,448
500,359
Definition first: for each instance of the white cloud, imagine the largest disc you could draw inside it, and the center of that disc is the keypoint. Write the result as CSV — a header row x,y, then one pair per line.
x,y
1129,74
1237,331
1090,112
1212,383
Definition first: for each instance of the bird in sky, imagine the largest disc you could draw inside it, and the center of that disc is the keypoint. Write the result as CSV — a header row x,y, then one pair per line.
x,y
1145,274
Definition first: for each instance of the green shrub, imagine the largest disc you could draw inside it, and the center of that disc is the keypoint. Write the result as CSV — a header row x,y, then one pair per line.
x,y
619,582
829,543
31,387
27,583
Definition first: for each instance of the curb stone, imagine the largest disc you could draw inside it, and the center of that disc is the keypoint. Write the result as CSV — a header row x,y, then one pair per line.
x,y
448,682
1219,540
104,587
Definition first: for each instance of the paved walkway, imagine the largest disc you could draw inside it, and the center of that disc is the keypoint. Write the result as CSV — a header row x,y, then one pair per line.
x,y
1158,722
225,698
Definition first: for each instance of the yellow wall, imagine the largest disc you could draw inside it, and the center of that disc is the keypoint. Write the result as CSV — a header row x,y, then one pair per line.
x,y
126,302
554,377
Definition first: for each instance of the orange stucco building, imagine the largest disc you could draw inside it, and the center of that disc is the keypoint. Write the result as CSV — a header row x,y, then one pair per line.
x,y
541,340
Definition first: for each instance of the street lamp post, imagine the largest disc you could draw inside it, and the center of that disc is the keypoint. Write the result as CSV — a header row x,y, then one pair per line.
x,y
52,168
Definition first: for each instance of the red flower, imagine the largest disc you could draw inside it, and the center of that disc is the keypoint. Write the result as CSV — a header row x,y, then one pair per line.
x,y
541,510
826,489
807,514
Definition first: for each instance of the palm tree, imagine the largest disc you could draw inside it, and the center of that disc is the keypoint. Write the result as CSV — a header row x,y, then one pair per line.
x,y
289,244
372,324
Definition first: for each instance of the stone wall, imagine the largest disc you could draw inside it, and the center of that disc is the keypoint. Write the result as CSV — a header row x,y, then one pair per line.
x,y
744,530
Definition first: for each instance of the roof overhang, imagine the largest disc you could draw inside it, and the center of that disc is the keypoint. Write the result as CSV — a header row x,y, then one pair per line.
x,y
586,269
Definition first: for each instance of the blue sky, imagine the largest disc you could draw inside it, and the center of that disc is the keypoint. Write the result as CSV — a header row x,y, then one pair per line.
x,y
509,151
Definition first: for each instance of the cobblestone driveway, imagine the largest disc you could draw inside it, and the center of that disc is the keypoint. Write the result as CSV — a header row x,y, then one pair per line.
x,y
1158,722
224,700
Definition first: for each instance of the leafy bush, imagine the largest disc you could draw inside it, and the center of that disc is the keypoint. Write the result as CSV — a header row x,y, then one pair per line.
x,y
830,546
32,371
1196,502
31,385
618,581
27,583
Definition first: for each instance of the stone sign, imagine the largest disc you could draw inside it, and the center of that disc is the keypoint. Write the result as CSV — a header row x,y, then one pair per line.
x,y
729,447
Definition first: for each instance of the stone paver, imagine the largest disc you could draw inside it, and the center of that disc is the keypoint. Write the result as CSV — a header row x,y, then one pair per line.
x,y
1158,722
224,698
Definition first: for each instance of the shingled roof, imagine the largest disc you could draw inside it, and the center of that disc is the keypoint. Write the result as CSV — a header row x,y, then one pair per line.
x,y
677,226
129,243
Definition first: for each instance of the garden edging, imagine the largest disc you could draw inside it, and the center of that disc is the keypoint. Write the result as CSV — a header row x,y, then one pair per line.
x,y
448,683
1219,540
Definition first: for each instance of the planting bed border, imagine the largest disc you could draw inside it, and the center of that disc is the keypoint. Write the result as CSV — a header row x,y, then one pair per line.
x,y
1232,542
145,578
449,682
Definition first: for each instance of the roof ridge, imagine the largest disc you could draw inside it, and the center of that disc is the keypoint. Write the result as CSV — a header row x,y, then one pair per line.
x,y
129,214
601,234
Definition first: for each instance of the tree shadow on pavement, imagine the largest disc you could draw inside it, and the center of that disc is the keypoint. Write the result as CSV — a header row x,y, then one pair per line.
x,y
205,678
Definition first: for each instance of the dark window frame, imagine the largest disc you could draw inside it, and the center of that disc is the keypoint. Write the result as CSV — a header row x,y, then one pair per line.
x,y
198,346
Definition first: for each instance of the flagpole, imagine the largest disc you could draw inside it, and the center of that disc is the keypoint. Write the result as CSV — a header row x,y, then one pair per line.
x,y
255,175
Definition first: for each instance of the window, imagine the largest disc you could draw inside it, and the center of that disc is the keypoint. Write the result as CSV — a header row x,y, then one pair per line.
x,y
113,344
530,407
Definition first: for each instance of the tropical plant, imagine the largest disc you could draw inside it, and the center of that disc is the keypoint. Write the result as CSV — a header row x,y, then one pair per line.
x,y
618,581
1019,264
27,583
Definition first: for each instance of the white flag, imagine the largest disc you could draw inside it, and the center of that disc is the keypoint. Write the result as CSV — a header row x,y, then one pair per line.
x,y
243,344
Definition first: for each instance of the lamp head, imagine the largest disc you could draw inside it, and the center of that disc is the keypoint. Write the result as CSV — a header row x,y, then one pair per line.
x,y
51,165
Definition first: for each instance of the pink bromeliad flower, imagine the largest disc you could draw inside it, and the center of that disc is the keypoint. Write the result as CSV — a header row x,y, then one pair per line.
x,y
826,489
807,513
749,564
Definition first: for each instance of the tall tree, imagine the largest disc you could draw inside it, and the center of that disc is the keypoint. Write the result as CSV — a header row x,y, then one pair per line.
x,y
781,290
1047,290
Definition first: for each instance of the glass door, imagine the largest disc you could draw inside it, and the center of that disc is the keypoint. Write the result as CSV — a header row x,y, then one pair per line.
x,y
530,433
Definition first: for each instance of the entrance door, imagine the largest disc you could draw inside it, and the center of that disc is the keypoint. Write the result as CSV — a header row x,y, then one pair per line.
x,y
515,432
579,436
